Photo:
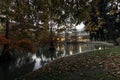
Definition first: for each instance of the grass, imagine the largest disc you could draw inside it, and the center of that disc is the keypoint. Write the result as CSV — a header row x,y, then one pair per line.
x,y
96,65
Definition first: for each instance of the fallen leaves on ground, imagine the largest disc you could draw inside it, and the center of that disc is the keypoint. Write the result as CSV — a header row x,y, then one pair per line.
x,y
87,66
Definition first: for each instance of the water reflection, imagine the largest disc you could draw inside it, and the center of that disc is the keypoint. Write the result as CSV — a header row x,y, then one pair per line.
x,y
22,65
29,62
44,56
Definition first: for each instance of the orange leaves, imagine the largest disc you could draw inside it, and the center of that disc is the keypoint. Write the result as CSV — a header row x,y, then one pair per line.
x,y
3,40
23,44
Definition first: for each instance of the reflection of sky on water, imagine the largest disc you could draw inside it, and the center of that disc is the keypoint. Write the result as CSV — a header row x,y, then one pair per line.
x,y
29,62
46,56
37,61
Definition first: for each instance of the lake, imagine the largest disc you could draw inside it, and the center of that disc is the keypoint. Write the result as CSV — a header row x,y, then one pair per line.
x,y
28,62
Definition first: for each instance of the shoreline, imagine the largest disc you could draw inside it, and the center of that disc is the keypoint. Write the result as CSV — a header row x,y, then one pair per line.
x,y
46,67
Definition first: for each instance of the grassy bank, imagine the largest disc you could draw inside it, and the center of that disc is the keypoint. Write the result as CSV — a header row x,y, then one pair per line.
x,y
97,65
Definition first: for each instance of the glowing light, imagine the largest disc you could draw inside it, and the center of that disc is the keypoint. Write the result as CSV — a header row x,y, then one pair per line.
x,y
71,52
80,49
80,37
100,48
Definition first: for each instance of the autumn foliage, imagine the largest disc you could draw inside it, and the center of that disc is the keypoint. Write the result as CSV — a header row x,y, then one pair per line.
x,y
25,44
22,44
3,40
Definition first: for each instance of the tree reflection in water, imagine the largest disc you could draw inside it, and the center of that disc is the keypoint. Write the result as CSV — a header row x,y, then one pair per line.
x,y
11,70
26,63
44,56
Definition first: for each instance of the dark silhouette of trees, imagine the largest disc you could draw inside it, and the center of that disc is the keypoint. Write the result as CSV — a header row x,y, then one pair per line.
x,y
104,20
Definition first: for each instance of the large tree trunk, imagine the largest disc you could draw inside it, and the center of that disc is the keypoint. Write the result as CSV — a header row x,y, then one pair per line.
x,y
6,56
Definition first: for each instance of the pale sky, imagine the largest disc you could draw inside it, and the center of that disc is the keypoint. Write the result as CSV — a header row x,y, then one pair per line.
x,y
80,26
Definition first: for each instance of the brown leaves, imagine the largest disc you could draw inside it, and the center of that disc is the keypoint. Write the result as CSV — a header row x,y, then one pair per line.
x,y
3,40
23,44
109,65
112,65
84,66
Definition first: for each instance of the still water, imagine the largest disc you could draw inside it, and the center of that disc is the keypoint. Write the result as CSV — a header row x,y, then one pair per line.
x,y
28,62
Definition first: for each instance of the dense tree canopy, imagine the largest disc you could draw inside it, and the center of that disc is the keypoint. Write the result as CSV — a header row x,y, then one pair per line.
x,y
33,18
36,16
104,20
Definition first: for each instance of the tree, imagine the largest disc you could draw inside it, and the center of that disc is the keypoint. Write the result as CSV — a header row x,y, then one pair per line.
x,y
7,16
36,16
104,14
61,12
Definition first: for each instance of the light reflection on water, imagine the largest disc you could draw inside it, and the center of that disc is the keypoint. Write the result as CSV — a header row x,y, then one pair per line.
x,y
30,62
61,51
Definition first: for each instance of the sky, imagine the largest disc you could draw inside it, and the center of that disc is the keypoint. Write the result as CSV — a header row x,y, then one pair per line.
x,y
80,27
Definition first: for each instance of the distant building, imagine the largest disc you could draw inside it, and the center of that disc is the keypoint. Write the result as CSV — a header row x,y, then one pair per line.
x,y
73,36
